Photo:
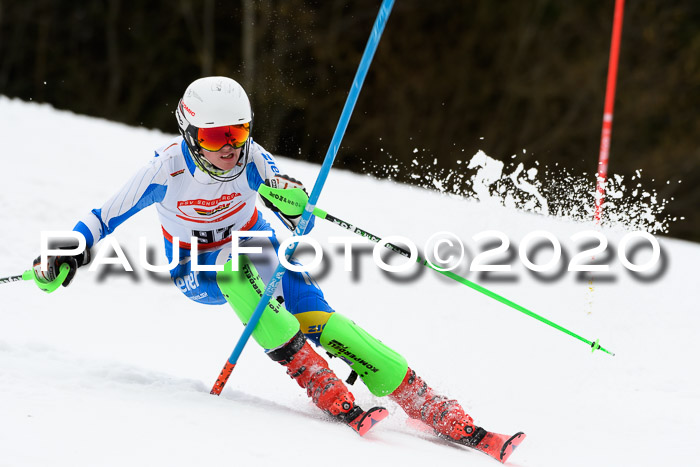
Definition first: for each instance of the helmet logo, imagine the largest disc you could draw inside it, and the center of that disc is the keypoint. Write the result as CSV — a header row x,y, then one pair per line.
x,y
192,93
189,111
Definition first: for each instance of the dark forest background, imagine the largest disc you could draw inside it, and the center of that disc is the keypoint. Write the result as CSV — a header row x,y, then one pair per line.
x,y
449,78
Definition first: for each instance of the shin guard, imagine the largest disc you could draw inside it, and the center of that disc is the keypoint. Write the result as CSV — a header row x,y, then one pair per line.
x,y
380,368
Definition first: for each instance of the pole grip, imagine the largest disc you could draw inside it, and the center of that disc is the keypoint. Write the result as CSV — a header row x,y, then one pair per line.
x,y
49,287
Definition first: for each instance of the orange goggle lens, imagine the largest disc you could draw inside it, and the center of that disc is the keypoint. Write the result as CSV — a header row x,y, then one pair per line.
x,y
213,139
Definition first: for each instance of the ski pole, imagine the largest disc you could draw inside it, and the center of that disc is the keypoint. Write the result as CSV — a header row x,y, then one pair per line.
x,y
277,275
289,203
324,215
47,287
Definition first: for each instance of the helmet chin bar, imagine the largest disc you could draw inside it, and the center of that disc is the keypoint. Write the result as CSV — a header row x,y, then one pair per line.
x,y
189,134
204,165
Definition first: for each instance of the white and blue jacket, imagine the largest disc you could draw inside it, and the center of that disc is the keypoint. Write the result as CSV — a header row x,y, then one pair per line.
x,y
189,202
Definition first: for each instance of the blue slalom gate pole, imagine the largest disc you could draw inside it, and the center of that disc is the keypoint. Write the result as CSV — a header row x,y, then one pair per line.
x,y
277,275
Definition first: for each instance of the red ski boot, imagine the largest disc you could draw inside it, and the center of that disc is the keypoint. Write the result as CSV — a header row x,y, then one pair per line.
x,y
448,419
444,415
324,388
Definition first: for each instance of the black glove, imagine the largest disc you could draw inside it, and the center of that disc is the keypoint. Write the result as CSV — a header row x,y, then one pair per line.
x,y
284,182
54,262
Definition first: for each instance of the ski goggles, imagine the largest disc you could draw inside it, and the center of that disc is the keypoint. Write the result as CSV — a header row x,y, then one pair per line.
x,y
213,139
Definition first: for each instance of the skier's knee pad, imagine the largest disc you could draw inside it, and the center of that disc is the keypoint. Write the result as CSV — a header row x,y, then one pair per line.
x,y
381,369
242,290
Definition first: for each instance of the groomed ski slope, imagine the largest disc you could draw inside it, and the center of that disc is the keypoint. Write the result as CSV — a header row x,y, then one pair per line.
x,y
116,369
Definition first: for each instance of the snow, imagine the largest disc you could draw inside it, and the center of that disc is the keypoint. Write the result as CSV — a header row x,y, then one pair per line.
x,y
116,369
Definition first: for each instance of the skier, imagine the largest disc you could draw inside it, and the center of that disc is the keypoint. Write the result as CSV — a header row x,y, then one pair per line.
x,y
204,185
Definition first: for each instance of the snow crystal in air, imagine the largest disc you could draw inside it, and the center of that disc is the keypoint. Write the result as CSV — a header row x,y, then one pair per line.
x,y
544,190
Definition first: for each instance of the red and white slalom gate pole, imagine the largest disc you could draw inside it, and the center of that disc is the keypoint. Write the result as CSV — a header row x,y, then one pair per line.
x,y
608,111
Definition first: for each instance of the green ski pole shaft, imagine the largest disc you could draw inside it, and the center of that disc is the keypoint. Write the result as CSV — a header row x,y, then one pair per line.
x,y
26,275
356,230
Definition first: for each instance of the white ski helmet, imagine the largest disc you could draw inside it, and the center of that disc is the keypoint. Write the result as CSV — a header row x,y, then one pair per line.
x,y
210,102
